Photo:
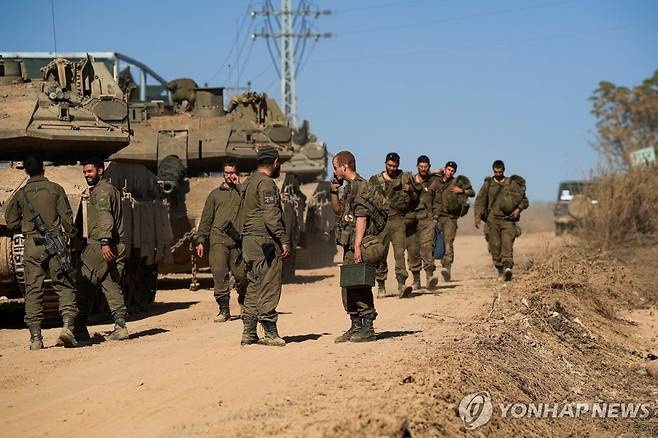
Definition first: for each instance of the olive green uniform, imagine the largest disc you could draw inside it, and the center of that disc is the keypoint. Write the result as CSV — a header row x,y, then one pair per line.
x,y
222,205
263,237
49,201
500,198
104,222
421,234
356,301
447,215
395,231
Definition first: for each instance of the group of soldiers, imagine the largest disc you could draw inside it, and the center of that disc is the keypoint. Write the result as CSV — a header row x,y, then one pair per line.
x,y
418,207
242,230
41,211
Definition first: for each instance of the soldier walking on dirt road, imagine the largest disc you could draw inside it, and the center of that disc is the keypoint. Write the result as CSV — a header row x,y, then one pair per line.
x,y
220,211
43,199
352,222
104,254
421,232
397,188
450,203
499,203
265,244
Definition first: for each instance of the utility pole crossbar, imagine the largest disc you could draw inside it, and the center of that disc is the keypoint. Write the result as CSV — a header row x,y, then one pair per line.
x,y
286,37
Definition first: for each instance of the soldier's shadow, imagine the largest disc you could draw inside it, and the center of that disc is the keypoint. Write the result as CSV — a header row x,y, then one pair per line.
x,y
439,289
396,333
99,338
302,338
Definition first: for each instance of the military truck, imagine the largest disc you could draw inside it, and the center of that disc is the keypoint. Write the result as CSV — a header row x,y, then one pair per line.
x,y
75,110
573,203
186,143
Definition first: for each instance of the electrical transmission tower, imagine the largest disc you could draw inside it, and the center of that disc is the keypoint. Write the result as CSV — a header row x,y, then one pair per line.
x,y
289,35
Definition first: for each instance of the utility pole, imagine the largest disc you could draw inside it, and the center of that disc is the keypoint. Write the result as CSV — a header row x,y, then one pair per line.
x,y
293,31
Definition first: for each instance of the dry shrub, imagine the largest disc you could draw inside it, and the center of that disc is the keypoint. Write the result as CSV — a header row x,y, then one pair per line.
x,y
626,208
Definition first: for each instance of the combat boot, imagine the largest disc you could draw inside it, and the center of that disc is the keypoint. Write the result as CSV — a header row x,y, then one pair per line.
x,y
366,333
224,309
66,336
403,291
81,333
432,281
249,335
356,325
271,337
36,341
416,283
381,289
507,274
120,332
445,272
499,272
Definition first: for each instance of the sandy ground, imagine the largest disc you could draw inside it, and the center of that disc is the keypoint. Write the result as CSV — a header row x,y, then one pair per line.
x,y
183,375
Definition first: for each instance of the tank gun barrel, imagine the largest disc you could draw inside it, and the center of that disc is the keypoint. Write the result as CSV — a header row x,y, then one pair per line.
x,y
171,172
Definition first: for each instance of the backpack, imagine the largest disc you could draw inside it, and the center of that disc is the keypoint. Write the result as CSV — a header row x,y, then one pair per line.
x,y
372,248
511,194
456,204
397,198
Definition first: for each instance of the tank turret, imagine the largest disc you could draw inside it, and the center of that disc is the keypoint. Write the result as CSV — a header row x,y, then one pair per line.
x,y
57,117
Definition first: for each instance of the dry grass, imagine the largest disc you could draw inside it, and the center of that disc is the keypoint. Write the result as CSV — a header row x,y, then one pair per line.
x,y
627,208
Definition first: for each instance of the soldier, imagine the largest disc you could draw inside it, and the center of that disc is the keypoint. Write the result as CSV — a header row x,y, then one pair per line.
x,y
352,219
265,244
499,203
222,207
40,197
421,234
450,203
104,254
396,186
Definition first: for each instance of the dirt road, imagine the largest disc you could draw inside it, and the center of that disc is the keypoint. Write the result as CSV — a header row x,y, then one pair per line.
x,y
183,375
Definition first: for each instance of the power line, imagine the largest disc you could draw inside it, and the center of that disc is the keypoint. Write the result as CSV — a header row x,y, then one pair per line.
x,y
479,46
290,43
234,46
458,18
380,6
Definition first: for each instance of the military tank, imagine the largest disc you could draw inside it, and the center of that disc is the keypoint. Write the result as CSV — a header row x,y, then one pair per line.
x,y
186,143
75,110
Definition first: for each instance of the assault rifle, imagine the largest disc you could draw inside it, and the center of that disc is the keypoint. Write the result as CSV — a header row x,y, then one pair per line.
x,y
54,245
228,229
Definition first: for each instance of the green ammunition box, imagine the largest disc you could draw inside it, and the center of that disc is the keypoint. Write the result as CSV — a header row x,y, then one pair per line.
x,y
357,275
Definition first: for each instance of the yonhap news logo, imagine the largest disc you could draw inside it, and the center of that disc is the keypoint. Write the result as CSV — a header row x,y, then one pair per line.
x,y
477,409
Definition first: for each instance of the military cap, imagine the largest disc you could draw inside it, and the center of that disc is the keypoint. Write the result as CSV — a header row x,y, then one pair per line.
x,y
267,152
451,164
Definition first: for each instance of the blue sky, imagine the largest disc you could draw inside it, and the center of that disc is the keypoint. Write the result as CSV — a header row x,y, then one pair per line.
x,y
469,81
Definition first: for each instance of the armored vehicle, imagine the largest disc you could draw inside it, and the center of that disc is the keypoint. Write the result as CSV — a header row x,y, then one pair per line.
x,y
186,143
573,203
76,110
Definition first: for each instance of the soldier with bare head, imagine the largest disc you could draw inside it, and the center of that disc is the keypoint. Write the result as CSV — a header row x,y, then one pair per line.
x,y
104,254
499,203
397,188
352,218
421,231
220,213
